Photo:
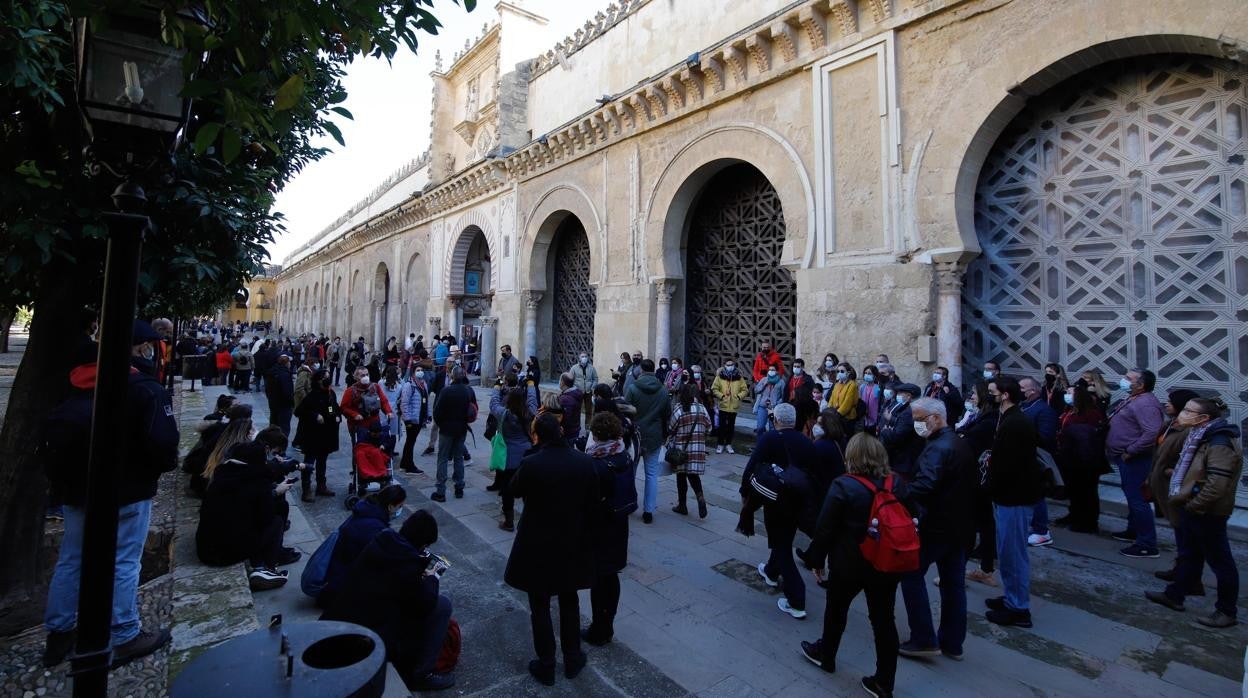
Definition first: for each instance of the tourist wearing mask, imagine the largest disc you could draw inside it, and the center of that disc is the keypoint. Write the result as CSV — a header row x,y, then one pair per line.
x,y
303,385
370,516
835,557
570,406
941,389
799,381
888,375
1055,385
1135,422
702,386
844,396
978,427
620,374
676,377
364,404
662,370
1016,484
897,430
507,362
826,375
1045,420
508,405
320,418
688,427
390,385
991,371
942,488
768,394
766,359
729,390
1199,477
585,378
654,410
1081,458
279,389
871,392
829,438
414,411
633,372
1157,478
617,481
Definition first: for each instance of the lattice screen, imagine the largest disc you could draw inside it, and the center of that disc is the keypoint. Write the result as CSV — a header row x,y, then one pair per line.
x,y
575,301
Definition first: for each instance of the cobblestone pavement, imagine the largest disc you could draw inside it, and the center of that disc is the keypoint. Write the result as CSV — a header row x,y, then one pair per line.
x,y
696,620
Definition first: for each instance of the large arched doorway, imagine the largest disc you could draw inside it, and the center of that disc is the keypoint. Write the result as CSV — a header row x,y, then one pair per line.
x,y
1112,218
737,293
574,301
381,305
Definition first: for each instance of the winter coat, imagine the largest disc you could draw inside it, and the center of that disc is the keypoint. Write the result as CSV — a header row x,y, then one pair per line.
x,y
688,430
765,392
1081,443
1208,487
902,444
506,364
387,591
585,378
414,402
949,395
1045,421
318,438
353,404
570,401
844,399
944,479
1134,425
654,409
842,524
1014,478
451,410
872,395
367,520
515,432
238,506
791,449
611,532
303,384
392,397
279,388
729,391
224,361
553,549
797,385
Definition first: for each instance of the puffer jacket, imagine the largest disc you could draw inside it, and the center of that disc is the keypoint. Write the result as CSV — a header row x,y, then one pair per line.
x,y
414,402
1208,487
765,392
729,391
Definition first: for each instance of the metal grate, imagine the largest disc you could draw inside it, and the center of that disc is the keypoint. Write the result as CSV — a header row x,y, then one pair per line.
x,y
575,301
737,292
1114,229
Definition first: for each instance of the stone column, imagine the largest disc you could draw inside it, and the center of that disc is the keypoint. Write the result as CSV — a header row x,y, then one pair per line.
x,y
489,348
457,315
949,317
531,301
379,326
664,290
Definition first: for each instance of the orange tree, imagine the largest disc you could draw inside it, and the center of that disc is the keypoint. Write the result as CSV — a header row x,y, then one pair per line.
x,y
266,81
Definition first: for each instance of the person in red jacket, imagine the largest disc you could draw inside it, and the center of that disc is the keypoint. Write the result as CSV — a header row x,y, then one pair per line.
x,y
766,358
224,363
363,404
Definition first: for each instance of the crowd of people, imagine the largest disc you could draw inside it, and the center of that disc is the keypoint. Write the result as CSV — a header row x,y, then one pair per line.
x,y
885,477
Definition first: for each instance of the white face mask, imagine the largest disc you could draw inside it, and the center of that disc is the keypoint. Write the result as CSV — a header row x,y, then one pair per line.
x,y
938,377
1124,384
970,406
841,375
148,352
697,376
419,375
888,393
584,360
901,399
817,432
771,374
879,365
797,370
989,374
365,379
1069,399
829,365
920,428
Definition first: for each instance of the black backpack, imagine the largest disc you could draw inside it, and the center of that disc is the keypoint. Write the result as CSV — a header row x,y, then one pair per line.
x,y
64,447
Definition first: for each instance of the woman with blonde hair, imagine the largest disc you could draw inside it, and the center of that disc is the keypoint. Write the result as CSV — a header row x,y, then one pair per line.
x,y
840,530
239,430
549,405
1099,389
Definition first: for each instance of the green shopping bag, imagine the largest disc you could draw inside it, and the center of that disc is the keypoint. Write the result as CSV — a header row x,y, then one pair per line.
x,y
498,456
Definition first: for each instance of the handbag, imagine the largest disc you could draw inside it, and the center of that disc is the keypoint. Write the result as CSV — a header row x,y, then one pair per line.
x,y
498,456
313,579
677,456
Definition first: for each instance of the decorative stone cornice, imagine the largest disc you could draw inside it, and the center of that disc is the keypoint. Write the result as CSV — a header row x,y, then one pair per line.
x,y
594,28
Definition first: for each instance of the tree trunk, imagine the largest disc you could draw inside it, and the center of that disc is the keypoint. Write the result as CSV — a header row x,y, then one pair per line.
x,y
40,383
6,321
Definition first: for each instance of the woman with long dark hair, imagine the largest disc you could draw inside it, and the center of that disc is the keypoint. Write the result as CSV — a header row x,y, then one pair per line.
x,y
510,409
1081,457
978,426
319,419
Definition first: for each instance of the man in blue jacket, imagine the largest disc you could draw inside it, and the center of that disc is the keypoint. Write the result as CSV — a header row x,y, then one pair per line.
x,y
151,449
1045,420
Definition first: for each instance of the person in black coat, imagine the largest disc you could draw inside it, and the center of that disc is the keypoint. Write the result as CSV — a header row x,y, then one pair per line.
x,y
370,516
838,534
279,388
787,447
978,427
453,411
897,431
617,480
553,554
941,389
393,589
320,418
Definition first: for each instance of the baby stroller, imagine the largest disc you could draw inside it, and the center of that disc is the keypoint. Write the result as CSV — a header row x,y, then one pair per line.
x,y
371,464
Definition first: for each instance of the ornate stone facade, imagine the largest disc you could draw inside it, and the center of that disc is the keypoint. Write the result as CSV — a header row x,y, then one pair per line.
x,y
871,119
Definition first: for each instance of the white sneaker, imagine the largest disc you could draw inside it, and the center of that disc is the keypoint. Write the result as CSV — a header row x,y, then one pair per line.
x,y
783,604
719,449
768,580
729,448
1037,540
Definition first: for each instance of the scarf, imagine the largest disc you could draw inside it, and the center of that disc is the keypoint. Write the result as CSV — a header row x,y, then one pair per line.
x,y
1190,444
605,449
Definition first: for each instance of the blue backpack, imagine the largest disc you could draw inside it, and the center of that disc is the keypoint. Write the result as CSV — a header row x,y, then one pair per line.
x,y
313,579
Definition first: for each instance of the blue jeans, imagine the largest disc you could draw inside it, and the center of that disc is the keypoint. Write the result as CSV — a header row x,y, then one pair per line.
x,y
950,560
61,614
448,445
1133,472
1012,560
760,422
650,463
1040,517
1202,542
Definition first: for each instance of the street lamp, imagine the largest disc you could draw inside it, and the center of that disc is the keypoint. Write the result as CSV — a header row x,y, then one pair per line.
x,y
129,94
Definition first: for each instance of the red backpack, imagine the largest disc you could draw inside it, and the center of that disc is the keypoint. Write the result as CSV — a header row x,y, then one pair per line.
x,y
448,656
892,540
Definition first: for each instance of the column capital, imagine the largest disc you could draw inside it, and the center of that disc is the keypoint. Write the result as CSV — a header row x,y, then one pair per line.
x,y
664,289
532,299
487,321
949,277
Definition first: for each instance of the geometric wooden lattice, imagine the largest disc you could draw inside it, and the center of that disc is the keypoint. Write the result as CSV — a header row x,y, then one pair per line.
x,y
575,301
737,292
1113,220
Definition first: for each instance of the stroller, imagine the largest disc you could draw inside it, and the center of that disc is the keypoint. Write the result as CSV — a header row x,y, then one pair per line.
x,y
371,465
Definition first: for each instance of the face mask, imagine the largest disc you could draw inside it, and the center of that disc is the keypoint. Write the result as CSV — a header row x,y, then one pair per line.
x,y
148,352
988,374
969,406
1049,379
365,380
901,400
817,432
675,367
888,394
879,365
730,369
316,367
1069,399
868,378
697,376
938,377
797,370
920,428
829,365
662,365
1124,384
419,375
584,361
841,375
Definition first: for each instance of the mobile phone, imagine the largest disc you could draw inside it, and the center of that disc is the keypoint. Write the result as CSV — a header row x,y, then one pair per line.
x,y
439,564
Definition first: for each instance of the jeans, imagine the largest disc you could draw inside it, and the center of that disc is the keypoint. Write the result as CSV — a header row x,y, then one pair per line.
x,y
544,630
422,644
1012,525
1134,472
650,463
761,422
1204,541
61,614
335,370
881,591
947,554
1040,517
780,534
451,448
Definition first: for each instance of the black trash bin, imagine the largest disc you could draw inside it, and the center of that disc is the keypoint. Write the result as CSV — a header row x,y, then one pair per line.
x,y
322,658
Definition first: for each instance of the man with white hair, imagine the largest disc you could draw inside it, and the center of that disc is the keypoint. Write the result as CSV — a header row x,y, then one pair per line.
x,y
942,486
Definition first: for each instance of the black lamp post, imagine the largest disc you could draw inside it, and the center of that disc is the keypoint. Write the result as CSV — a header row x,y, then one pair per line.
x,y
129,88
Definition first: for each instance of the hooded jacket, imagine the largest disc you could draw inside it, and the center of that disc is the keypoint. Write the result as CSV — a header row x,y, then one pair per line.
x,y
654,409
1208,487
729,390
367,520
238,505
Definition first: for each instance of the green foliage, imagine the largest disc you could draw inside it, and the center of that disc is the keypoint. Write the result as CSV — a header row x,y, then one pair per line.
x,y
267,79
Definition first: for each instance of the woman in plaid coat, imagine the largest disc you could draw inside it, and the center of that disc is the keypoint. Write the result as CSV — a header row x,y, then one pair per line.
x,y
689,426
